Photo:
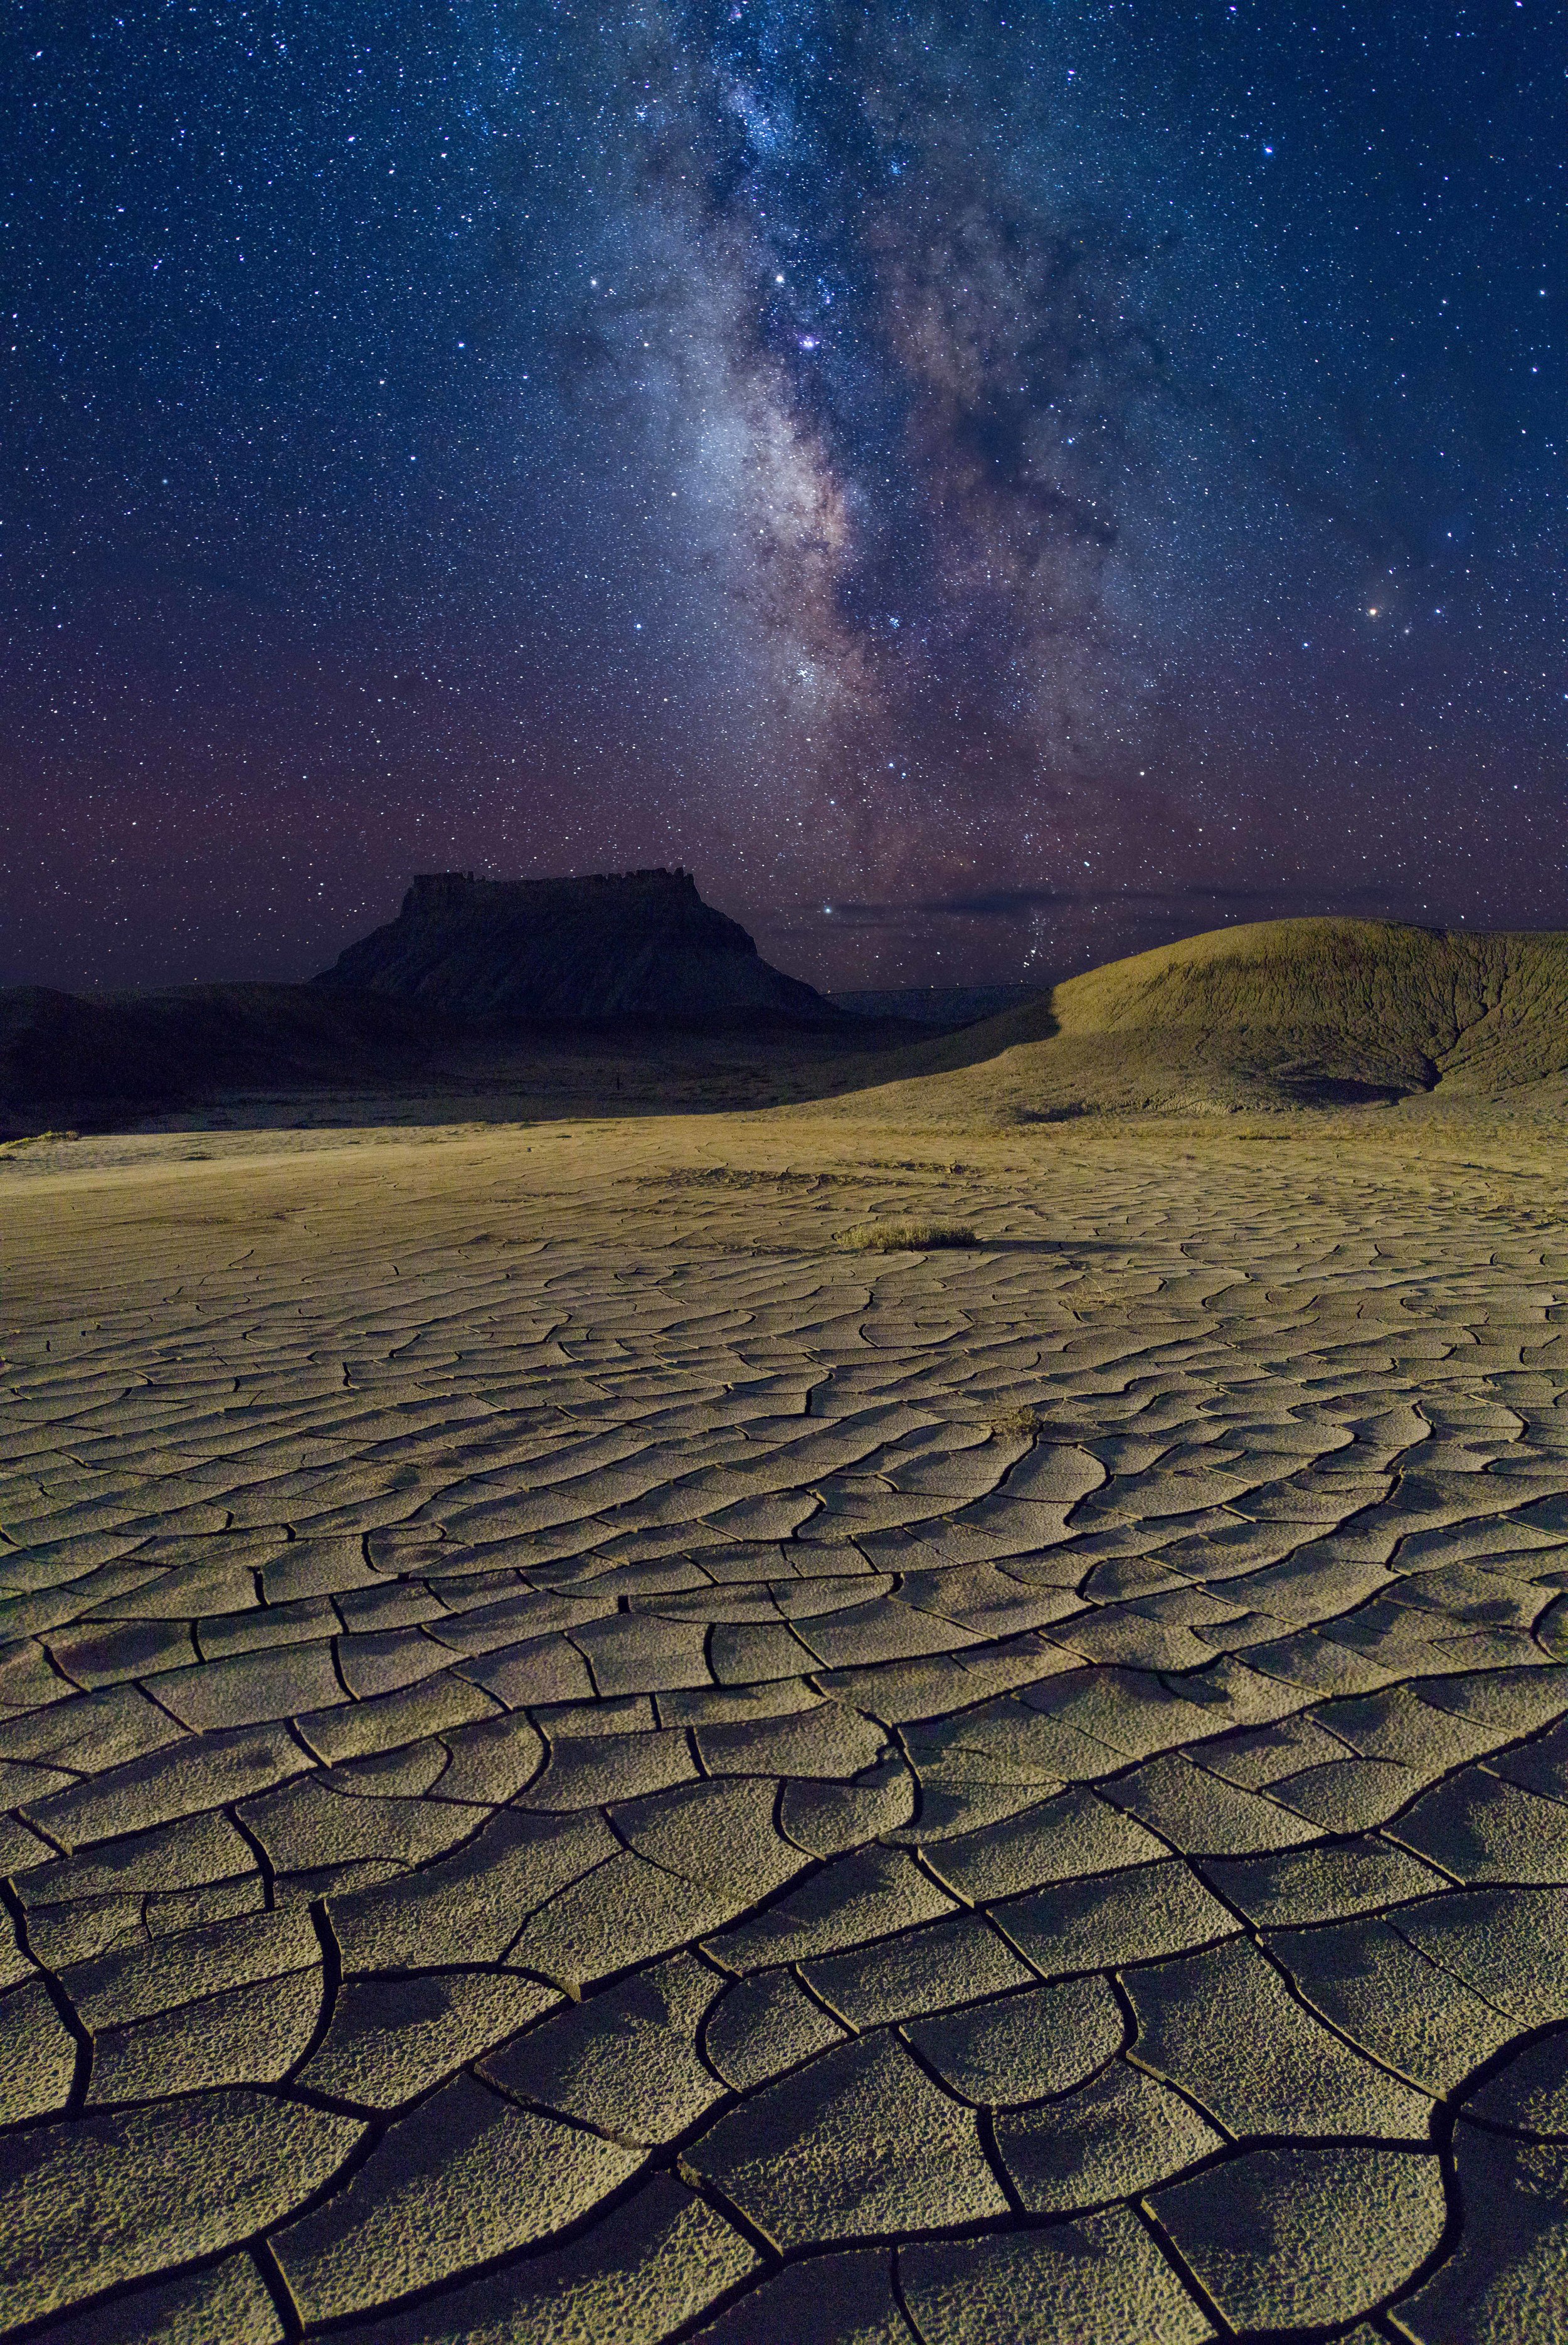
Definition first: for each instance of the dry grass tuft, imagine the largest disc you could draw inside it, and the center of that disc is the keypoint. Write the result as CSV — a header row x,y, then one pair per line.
x,y
905,1237
1027,1421
33,1139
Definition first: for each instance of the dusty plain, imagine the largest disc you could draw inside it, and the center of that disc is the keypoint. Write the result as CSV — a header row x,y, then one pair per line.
x,y
582,1762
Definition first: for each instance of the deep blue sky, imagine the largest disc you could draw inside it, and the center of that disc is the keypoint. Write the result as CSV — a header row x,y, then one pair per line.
x,y
1035,481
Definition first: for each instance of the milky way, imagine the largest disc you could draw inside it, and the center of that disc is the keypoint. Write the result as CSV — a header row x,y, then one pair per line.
x,y
986,492
945,388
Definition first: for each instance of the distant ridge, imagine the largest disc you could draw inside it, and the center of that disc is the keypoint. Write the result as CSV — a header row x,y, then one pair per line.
x,y
637,947
1276,1014
67,1054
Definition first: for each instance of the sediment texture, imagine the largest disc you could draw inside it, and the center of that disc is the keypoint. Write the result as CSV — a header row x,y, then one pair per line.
x,y
580,1764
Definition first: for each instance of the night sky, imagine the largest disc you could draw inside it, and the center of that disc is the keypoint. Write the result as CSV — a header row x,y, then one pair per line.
x,y
987,490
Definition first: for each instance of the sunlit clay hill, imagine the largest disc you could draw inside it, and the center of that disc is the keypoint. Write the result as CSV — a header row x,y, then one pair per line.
x,y
638,946
1307,1013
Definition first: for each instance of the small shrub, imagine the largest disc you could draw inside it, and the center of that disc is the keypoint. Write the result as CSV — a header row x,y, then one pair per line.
x,y
905,1237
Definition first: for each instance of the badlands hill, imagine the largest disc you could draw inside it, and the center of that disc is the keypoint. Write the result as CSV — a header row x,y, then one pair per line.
x,y
637,947
642,1001
1281,1014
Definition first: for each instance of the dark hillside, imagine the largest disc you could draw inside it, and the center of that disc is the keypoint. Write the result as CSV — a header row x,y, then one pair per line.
x,y
62,1055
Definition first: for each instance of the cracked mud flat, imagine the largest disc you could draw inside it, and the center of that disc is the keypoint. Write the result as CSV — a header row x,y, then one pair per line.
x,y
581,1765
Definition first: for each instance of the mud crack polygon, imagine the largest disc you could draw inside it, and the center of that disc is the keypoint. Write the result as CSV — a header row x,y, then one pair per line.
x,y
569,1780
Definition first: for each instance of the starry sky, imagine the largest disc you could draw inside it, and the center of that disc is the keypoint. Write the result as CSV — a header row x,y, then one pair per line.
x,y
987,489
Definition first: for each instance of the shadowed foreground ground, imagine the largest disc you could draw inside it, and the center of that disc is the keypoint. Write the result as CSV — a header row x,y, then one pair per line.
x,y
584,1765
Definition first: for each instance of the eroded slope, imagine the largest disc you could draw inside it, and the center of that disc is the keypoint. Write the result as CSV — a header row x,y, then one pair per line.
x,y
1285,1013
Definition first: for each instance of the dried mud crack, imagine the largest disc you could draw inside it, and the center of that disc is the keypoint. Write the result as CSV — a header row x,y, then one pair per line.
x,y
588,1763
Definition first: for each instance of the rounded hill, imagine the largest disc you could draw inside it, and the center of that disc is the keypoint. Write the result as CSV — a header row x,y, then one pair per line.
x,y
1278,1014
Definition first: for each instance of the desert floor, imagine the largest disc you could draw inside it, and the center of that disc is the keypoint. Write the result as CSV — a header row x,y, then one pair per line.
x,y
585,1763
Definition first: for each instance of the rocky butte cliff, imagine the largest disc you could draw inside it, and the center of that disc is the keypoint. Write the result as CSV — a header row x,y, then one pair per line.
x,y
641,947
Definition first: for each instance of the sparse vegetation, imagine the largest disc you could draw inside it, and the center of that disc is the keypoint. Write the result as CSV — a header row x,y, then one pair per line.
x,y
1021,1420
730,1176
1108,1290
33,1139
905,1237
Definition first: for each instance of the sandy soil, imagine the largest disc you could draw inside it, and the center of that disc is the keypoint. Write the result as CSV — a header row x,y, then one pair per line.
x,y
583,1762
